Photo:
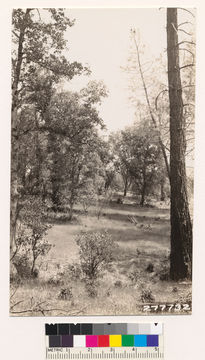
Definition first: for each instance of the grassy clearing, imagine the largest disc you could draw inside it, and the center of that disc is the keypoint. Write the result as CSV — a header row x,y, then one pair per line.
x,y
119,289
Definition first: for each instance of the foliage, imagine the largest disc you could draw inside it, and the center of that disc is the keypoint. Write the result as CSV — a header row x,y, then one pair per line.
x,y
134,276
91,288
87,195
164,271
147,296
96,251
186,299
42,43
150,268
118,284
29,247
139,159
75,163
103,199
121,149
65,294
75,271
38,64
31,242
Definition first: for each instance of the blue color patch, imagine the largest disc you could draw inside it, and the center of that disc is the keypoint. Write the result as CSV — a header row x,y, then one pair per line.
x,y
152,340
140,340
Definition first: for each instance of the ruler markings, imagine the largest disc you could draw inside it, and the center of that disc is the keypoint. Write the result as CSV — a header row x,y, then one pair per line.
x,y
116,353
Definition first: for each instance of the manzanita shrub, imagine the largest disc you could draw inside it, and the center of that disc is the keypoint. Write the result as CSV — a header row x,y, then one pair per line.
x,y
97,250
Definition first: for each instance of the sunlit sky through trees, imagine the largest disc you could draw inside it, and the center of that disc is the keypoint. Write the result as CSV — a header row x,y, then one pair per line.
x,y
101,39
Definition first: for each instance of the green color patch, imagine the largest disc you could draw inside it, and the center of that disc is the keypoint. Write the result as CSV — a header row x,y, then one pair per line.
x,y
128,340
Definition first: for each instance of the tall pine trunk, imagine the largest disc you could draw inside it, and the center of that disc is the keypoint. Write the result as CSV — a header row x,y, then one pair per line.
x,y
181,227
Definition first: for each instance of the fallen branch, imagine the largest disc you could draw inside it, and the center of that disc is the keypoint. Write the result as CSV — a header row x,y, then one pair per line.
x,y
14,292
17,303
37,308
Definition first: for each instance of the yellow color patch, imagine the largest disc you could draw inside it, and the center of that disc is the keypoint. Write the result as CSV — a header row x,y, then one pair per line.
x,y
115,340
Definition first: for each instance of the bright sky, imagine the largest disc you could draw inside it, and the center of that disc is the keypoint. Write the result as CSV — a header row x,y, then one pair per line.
x,y
101,38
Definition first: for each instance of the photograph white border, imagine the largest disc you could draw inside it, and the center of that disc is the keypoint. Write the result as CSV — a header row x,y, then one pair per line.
x,y
184,335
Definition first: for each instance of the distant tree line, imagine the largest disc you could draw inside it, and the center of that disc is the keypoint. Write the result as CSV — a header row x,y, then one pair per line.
x,y
58,154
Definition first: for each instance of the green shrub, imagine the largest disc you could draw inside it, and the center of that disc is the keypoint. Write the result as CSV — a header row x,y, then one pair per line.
x,y
91,288
164,272
30,245
74,271
150,268
147,296
30,240
118,284
22,265
65,294
134,276
96,252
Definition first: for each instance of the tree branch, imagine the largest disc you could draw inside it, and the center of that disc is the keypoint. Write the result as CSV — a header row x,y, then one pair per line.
x,y
133,32
189,51
39,14
17,303
186,11
184,31
186,66
161,92
186,86
184,23
15,34
186,42
174,27
187,104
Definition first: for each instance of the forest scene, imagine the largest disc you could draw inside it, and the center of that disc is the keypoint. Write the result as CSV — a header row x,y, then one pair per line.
x,y
102,161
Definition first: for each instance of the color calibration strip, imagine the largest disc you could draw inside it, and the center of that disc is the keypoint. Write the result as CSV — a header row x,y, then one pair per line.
x,y
103,335
102,340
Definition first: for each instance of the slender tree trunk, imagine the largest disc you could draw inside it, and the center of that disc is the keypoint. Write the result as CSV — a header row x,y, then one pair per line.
x,y
71,211
56,178
33,266
143,188
143,194
142,197
162,197
125,187
181,227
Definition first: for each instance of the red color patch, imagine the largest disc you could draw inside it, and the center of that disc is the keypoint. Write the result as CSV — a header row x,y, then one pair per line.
x,y
103,340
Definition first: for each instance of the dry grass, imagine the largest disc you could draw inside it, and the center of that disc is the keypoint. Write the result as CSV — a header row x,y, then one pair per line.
x,y
119,289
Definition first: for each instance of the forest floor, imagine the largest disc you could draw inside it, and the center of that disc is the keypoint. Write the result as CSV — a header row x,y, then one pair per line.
x,y
135,281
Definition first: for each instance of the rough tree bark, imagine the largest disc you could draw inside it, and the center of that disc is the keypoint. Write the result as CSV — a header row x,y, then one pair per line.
x,y
181,227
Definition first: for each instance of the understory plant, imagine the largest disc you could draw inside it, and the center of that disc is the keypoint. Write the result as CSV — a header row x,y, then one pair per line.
x,y
96,252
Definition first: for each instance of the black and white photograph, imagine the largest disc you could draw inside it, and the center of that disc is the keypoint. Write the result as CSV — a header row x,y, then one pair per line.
x,y
102,161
